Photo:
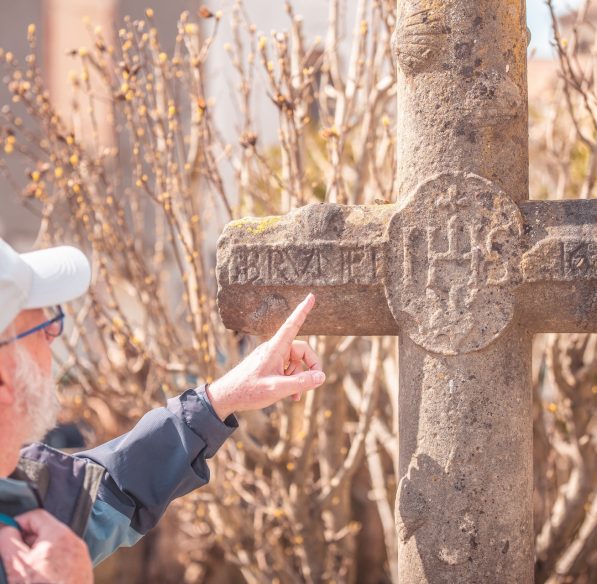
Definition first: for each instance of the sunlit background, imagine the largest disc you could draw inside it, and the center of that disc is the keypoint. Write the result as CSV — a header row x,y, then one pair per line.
x,y
120,360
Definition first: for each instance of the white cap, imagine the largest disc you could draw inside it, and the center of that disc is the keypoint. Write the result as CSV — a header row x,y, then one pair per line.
x,y
39,279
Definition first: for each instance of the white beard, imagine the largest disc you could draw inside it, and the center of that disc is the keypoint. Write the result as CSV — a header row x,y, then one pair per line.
x,y
36,395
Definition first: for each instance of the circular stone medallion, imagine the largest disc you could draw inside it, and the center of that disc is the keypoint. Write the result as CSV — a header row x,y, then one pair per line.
x,y
453,262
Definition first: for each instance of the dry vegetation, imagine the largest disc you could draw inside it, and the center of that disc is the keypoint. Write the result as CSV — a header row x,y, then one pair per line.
x,y
303,492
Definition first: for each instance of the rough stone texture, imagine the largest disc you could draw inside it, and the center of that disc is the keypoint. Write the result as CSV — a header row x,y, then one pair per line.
x,y
266,266
464,105
463,267
454,263
369,275
465,496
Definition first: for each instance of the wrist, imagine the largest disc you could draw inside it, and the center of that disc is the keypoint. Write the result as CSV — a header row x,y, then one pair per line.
x,y
214,395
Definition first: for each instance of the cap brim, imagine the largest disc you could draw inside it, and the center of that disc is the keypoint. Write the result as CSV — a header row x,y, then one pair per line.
x,y
60,274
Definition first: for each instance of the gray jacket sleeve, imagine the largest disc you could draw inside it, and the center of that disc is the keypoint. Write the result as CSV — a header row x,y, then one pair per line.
x,y
163,457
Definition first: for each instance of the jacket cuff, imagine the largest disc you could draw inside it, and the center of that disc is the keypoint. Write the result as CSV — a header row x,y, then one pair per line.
x,y
194,408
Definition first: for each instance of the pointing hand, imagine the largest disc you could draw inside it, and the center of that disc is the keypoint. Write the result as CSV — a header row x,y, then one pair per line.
x,y
273,371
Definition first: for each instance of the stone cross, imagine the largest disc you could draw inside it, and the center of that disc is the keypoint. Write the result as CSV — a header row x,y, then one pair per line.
x,y
465,269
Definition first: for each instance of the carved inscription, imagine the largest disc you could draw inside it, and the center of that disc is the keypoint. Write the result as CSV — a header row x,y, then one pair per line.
x,y
453,261
316,264
561,259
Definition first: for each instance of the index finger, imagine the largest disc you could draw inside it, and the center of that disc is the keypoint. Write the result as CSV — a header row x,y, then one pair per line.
x,y
288,331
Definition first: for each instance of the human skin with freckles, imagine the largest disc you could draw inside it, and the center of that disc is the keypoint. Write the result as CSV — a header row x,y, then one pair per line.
x,y
271,372
44,550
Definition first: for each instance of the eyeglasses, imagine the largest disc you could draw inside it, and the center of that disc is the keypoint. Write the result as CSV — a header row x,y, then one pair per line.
x,y
52,327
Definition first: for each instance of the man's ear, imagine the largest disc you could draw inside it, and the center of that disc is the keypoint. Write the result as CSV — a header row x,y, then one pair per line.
x,y
7,390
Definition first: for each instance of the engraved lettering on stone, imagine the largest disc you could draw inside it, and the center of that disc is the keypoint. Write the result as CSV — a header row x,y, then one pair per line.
x,y
420,34
316,264
454,262
247,266
561,259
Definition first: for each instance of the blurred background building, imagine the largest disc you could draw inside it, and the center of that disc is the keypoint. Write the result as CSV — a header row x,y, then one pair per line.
x,y
63,26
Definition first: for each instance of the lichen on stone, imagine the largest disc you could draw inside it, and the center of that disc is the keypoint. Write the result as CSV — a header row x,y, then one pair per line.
x,y
255,226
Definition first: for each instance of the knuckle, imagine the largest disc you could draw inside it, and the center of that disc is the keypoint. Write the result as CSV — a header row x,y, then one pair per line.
x,y
285,332
40,515
273,385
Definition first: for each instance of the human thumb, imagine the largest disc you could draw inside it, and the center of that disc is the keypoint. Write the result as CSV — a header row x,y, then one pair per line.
x,y
39,523
287,385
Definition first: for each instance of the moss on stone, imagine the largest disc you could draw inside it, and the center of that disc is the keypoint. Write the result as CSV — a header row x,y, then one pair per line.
x,y
255,226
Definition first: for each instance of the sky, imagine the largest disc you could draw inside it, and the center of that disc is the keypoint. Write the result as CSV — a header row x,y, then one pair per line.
x,y
539,22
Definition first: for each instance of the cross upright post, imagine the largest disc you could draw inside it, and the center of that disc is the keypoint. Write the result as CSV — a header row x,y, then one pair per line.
x,y
464,268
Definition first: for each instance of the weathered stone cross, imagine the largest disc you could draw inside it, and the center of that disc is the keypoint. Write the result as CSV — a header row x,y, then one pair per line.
x,y
464,268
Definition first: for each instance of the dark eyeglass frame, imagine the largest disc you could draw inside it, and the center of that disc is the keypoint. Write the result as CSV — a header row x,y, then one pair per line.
x,y
43,326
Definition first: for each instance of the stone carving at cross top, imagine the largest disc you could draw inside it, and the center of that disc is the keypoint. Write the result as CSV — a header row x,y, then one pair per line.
x,y
463,268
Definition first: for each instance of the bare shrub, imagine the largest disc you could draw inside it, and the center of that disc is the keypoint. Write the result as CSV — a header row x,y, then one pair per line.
x,y
303,492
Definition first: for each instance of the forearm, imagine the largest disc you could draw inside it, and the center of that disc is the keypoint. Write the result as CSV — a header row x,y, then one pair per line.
x,y
163,457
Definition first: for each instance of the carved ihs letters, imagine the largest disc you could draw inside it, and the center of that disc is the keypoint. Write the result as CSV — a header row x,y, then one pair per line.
x,y
457,259
319,264
457,256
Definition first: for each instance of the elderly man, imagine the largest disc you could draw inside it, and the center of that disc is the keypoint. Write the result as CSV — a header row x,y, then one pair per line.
x,y
50,503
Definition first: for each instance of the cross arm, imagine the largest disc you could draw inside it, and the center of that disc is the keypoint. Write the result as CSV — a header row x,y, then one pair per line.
x,y
266,266
559,266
